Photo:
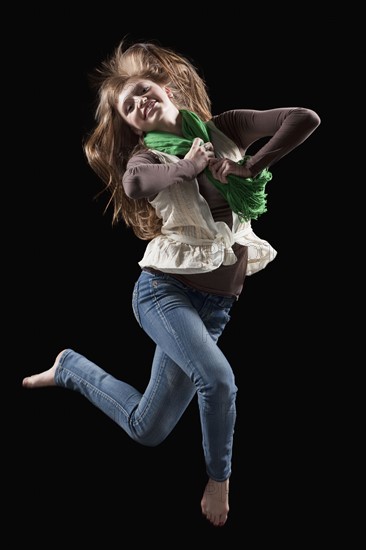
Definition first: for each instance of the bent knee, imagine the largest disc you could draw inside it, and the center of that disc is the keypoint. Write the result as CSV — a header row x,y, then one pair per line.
x,y
149,439
224,389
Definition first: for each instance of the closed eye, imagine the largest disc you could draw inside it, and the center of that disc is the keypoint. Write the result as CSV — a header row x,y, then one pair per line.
x,y
130,104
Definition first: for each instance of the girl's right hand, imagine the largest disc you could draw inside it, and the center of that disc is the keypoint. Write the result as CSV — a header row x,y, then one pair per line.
x,y
200,153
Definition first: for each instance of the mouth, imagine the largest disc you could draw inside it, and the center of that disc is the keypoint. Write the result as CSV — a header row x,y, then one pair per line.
x,y
149,107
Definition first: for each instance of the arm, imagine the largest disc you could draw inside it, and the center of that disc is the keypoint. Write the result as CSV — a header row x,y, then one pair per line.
x,y
146,176
285,129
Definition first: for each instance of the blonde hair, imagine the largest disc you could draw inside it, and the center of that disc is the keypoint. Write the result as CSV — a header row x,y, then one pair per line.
x,y
111,143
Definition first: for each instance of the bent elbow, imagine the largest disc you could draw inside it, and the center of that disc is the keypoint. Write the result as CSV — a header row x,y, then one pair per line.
x,y
133,187
309,118
314,118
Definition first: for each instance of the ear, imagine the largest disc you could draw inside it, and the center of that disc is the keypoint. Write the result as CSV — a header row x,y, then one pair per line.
x,y
168,91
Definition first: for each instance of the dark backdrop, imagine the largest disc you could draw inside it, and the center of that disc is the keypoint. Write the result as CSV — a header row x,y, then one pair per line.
x,y
76,471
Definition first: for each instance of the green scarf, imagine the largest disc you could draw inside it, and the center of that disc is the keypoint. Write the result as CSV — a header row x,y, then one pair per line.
x,y
245,196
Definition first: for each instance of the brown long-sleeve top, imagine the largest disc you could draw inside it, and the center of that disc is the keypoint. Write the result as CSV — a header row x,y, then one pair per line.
x,y
285,128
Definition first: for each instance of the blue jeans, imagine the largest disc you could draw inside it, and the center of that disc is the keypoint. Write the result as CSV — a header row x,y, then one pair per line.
x,y
185,324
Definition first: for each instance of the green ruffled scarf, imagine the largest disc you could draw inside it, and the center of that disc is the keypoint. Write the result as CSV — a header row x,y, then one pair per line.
x,y
245,196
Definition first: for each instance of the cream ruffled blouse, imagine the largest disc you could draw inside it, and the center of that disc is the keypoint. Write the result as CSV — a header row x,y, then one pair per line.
x,y
191,241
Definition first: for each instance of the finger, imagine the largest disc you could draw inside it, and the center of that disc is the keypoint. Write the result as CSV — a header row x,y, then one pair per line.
x,y
198,142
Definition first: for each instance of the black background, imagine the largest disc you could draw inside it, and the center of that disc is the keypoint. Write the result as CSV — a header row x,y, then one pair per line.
x,y
76,471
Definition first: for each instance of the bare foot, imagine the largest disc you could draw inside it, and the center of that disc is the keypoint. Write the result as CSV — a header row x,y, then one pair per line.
x,y
215,502
43,379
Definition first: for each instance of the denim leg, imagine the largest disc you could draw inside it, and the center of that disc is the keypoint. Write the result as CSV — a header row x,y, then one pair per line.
x,y
186,325
187,360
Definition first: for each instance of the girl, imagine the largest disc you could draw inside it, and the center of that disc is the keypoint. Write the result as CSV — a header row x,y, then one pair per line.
x,y
181,179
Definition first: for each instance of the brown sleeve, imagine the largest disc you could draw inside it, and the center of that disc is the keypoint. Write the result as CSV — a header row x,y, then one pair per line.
x,y
285,129
146,176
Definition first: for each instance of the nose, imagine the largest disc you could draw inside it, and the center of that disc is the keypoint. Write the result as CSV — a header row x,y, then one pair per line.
x,y
141,101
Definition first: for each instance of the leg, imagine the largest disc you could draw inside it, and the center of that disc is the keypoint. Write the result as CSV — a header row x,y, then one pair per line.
x,y
169,389
193,322
175,318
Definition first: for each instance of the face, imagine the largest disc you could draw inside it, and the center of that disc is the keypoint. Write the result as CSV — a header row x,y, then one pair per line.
x,y
146,106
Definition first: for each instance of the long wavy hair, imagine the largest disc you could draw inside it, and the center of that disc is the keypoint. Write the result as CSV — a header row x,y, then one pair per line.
x,y
111,143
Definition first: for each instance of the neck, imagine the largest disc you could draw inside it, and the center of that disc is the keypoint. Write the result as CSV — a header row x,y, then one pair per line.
x,y
173,126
